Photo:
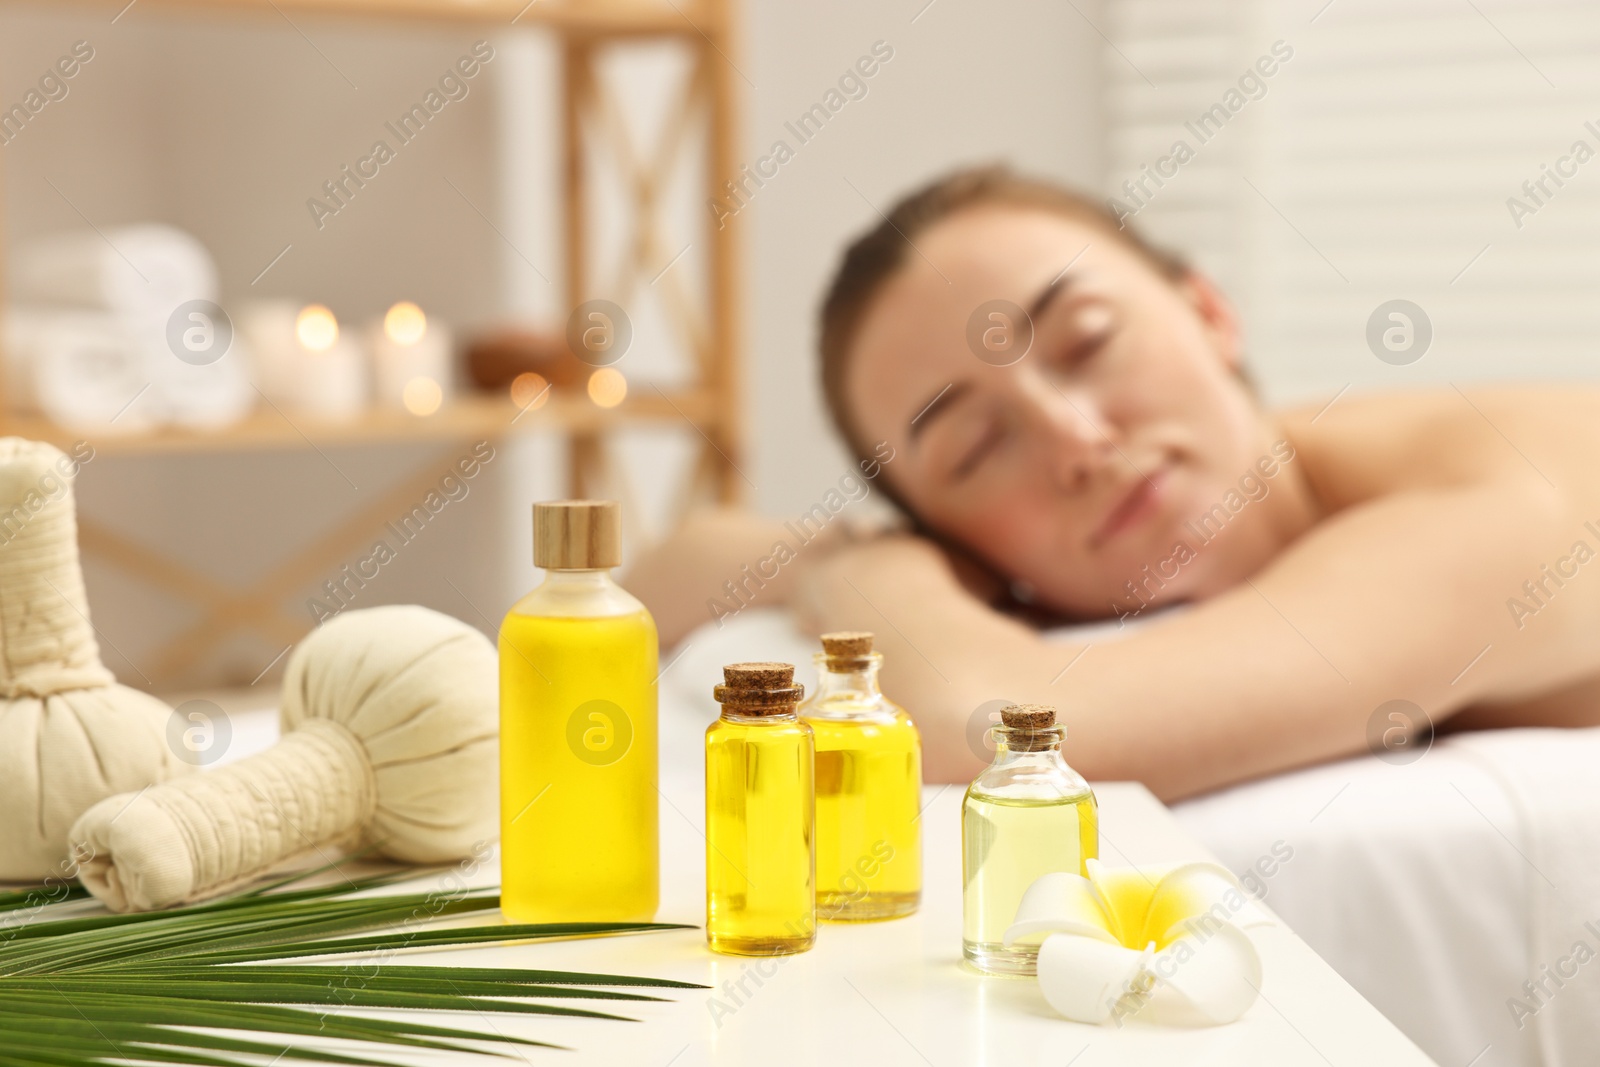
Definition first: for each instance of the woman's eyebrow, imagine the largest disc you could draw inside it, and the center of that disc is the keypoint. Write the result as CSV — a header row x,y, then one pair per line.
x,y
1060,284
941,400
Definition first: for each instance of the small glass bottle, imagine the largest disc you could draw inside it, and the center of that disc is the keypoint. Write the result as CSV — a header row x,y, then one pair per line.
x,y
869,788
1028,814
578,766
760,800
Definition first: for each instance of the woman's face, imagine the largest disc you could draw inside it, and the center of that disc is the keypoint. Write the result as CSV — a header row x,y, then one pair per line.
x,y
1078,465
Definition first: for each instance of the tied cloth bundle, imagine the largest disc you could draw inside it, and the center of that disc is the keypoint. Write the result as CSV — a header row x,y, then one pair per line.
x,y
1174,939
69,734
390,739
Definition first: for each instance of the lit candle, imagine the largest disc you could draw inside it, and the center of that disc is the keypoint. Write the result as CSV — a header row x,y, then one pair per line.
x,y
315,328
301,361
332,378
607,387
529,391
410,360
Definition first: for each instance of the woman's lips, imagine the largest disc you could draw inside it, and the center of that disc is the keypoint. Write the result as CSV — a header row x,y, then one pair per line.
x,y
1141,502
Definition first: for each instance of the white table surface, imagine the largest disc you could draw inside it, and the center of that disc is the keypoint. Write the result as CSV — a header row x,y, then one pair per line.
x,y
892,993
896,993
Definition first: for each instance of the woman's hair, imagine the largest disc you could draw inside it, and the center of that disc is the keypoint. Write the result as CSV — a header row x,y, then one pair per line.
x,y
874,257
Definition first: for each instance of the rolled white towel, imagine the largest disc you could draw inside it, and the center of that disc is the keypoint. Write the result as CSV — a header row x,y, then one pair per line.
x,y
145,270
81,369
204,397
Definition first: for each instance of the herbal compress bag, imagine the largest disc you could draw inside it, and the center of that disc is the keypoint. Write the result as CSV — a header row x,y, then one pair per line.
x,y
389,721
69,735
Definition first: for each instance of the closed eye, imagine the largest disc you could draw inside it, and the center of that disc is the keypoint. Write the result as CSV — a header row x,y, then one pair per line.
x,y
981,449
1085,349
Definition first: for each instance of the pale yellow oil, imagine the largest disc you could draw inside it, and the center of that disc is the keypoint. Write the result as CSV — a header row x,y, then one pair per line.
x,y
760,870
1006,844
869,841
578,769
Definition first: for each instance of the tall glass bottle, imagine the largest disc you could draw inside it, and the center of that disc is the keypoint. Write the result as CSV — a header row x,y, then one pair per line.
x,y
1026,815
578,764
760,863
869,788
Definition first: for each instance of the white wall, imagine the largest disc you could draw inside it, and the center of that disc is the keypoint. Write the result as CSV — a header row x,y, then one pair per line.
x,y
968,83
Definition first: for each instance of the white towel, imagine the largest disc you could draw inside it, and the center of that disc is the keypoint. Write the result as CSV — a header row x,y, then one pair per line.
x,y
88,332
144,271
84,369
204,397
81,369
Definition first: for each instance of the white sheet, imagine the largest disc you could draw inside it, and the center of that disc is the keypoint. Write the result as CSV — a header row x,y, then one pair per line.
x,y
1407,879
1549,776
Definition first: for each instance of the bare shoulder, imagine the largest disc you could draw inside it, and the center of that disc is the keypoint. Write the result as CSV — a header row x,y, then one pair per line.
x,y
1364,446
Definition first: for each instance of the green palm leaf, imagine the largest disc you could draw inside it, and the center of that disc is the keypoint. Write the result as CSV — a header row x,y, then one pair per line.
x,y
84,987
38,895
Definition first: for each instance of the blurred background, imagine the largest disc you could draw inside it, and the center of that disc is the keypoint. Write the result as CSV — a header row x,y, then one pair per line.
x,y
379,333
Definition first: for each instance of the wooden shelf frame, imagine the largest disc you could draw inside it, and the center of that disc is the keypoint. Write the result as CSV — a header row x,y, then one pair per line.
x,y
570,18
707,409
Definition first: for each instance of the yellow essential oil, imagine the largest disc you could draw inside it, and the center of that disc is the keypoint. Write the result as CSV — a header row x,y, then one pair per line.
x,y
578,766
869,788
1028,814
760,863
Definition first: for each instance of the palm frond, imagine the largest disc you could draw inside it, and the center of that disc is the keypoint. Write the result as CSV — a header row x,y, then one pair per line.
x,y
95,988
40,895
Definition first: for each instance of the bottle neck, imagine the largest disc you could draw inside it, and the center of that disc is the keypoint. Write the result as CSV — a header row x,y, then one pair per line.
x,y
1014,747
859,681
578,581
755,714
1028,763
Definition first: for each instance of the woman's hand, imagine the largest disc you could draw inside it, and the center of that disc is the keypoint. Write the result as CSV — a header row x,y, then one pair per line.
x,y
836,589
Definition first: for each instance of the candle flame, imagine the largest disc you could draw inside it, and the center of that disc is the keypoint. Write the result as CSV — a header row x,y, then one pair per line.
x,y
316,328
607,387
530,390
405,324
422,396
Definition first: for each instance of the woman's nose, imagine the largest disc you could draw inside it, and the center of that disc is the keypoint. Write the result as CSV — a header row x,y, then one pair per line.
x,y
1077,442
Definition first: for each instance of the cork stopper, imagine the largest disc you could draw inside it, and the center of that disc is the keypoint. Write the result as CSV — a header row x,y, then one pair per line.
x,y
577,535
758,675
1028,716
759,688
848,650
1032,727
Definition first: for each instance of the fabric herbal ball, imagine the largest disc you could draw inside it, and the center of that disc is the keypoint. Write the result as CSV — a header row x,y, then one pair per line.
x,y
69,735
421,691
389,738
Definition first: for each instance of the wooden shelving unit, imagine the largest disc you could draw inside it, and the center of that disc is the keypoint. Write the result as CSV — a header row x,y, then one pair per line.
x,y
474,416
706,409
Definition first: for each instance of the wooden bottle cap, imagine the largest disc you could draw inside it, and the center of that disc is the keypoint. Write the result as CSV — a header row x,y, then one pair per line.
x,y
761,688
1028,716
577,534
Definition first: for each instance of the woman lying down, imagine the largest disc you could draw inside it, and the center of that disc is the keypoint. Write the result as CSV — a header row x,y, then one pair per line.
x,y
1425,546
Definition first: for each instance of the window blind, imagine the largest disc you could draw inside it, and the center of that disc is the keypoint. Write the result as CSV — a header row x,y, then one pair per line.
x,y
1444,152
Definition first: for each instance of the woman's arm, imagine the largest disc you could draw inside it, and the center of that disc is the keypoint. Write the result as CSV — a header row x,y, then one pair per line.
x,y
1390,599
712,566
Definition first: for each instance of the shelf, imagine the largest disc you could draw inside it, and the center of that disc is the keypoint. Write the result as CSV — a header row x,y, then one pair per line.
x,y
468,416
582,29
604,18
